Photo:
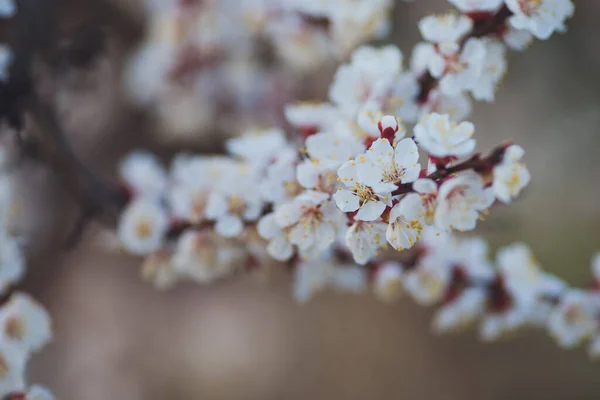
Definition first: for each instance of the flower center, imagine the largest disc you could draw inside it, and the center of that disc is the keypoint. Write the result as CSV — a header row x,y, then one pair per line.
x,y
144,229
365,193
14,328
237,205
529,7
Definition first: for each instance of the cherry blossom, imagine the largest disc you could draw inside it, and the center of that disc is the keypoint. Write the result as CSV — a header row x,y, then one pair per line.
x,y
406,222
540,17
575,318
510,176
460,202
388,285
441,137
476,5
142,226
366,240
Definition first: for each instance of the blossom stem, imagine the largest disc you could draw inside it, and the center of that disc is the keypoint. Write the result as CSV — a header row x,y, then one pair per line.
x,y
475,163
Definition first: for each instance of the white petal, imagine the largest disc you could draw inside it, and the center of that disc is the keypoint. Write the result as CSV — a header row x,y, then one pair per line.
x,y
267,227
370,211
346,200
229,226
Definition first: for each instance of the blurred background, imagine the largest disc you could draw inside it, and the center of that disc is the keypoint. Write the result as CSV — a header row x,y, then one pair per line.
x,y
118,338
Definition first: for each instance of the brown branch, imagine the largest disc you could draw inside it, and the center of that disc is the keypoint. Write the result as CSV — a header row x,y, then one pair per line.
x,y
475,163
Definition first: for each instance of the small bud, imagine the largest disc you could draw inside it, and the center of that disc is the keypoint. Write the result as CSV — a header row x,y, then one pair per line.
x,y
388,126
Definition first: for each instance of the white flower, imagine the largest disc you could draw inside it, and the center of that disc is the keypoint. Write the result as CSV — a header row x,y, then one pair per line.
x,y
327,152
458,71
369,67
511,175
204,256
460,312
7,8
142,226
574,319
441,137
257,147
428,191
540,17
517,39
461,200
406,222
484,87
279,184
388,282
456,107
428,281
445,28
6,57
476,5
308,116
37,392
517,292
235,200
398,97
25,323
365,240
13,362
364,191
392,164
311,222
144,174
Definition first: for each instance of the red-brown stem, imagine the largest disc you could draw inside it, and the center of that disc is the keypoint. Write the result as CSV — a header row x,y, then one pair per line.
x,y
475,163
493,24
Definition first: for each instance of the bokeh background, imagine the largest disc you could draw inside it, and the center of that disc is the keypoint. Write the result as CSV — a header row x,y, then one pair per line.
x,y
118,338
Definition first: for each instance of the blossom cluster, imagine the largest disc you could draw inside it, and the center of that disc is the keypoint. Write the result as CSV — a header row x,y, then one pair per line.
x,y
201,59
24,323
510,294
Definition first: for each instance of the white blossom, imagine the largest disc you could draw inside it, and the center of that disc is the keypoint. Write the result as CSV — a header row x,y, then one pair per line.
x,y
461,200
25,323
511,175
326,152
144,174
388,282
484,87
441,137
540,17
311,222
204,256
279,184
365,240
447,28
406,222
456,107
363,189
428,281
369,67
458,69
142,226
574,320
460,312
257,147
